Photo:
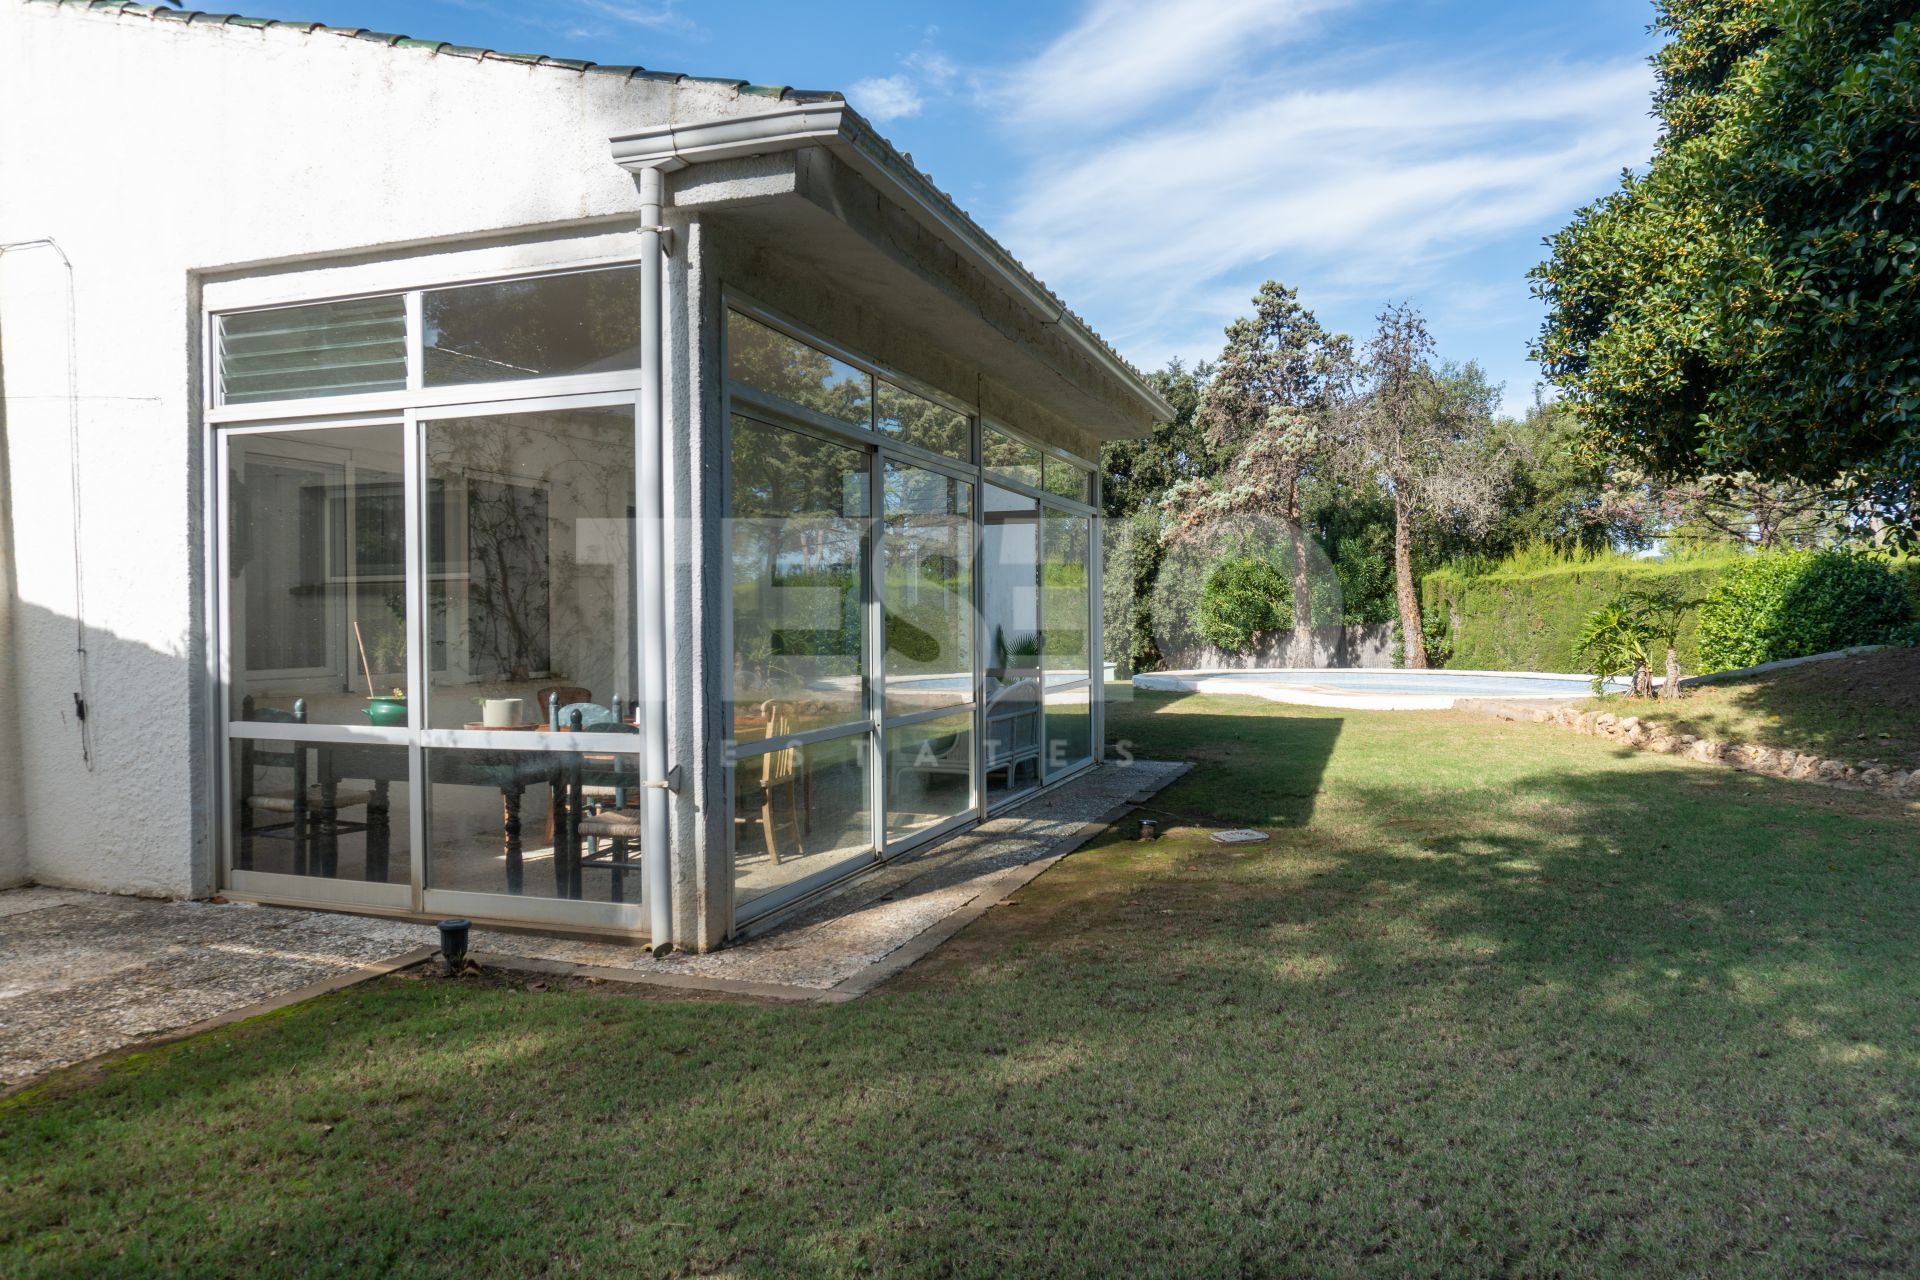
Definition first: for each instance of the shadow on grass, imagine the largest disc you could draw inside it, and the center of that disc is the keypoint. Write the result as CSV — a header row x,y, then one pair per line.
x,y
1260,769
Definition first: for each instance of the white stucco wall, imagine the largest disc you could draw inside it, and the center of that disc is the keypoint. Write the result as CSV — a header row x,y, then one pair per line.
x,y
153,152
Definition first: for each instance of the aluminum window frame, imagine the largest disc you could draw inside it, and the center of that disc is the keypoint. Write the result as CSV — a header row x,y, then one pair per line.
x,y
739,399
409,408
415,393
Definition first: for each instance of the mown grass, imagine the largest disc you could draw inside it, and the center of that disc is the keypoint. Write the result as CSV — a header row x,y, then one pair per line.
x,y
1495,1000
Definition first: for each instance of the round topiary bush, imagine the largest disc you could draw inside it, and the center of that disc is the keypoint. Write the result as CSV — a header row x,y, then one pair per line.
x,y
1791,604
1241,598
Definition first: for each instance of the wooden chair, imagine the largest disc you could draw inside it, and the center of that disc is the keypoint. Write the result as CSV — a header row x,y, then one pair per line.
x,y
560,695
598,810
779,768
582,714
310,801
621,829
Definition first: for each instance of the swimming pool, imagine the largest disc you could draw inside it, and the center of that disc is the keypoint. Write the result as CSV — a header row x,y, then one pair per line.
x,y
1372,688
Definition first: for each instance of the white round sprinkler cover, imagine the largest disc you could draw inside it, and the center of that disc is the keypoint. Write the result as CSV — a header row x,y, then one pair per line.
x,y
1240,835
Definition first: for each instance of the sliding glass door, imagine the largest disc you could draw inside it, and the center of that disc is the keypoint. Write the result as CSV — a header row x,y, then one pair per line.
x,y
910,620
315,554
926,603
432,656
852,694
530,578
798,708
1010,608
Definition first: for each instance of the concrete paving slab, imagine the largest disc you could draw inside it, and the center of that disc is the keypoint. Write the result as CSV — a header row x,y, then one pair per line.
x,y
85,974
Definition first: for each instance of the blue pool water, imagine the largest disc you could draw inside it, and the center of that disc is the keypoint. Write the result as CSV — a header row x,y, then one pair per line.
x,y
1464,684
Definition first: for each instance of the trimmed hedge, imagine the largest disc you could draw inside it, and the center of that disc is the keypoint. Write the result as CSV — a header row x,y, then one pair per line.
x,y
1530,621
1801,602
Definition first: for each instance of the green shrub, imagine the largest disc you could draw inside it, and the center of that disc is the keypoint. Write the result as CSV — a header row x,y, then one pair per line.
x,y
1241,598
1612,641
1908,570
1795,603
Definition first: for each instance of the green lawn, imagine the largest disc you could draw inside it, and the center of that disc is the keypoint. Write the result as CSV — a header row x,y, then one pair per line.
x,y
1498,999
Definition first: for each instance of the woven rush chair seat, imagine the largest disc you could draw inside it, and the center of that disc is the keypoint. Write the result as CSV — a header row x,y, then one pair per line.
x,y
621,828
612,824
343,798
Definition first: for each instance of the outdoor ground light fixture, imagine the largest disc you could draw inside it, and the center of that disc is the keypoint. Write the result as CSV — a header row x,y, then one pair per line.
x,y
1149,829
453,941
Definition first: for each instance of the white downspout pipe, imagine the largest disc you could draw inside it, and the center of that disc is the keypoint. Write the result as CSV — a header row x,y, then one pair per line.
x,y
650,511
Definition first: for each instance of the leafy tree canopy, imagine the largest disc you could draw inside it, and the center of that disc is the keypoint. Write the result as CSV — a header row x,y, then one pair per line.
x,y
1138,472
1751,303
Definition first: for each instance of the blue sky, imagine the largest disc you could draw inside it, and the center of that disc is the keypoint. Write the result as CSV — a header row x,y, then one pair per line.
x,y
1155,160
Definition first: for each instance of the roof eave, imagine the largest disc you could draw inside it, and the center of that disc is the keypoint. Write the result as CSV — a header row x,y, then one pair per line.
x,y
839,128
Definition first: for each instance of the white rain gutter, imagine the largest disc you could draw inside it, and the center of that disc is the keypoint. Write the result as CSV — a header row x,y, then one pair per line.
x,y
649,508
837,127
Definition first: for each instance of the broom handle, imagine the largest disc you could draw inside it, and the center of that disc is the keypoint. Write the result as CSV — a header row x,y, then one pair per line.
x,y
364,664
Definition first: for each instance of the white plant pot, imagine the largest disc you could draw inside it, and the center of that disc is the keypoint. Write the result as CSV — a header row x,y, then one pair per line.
x,y
502,713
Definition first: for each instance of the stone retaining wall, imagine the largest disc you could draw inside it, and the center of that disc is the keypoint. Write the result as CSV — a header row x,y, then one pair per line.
x,y
1778,762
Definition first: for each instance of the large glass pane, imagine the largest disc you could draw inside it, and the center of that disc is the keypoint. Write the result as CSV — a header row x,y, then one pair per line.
x,y
927,558
539,824
1063,611
920,421
325,349
929,774
316,546
329,810
582,322
1069,728
798,812
531,566
799,529
1005,456
1067,481
1010,586
768,360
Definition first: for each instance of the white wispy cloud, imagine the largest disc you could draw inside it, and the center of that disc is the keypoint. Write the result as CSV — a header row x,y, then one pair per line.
x,y
936,69
884,98
585,19
1125,55
1394,168
1368,184
653,16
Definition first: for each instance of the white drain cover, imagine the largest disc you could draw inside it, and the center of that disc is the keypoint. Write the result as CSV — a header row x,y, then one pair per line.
x,y
1240,835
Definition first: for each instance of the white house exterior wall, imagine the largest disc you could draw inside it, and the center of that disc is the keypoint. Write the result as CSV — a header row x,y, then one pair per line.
x,y
181,152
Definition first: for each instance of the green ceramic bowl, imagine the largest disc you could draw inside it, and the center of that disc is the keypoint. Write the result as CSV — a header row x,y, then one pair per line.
x,y
387,712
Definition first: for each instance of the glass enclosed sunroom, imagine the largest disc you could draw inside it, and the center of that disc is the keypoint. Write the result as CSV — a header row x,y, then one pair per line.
x,y
648,579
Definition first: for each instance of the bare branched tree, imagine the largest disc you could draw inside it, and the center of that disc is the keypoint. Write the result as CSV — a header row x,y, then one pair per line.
x,y
1728,509
1424,434
1268,414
